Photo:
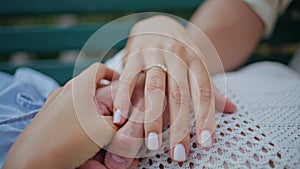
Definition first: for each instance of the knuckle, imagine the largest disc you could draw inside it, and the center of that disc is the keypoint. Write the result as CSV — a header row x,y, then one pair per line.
x,y
154,124
124,143
174,46
121,98
179,95
155,81
205,93
125,79
178,133
153,120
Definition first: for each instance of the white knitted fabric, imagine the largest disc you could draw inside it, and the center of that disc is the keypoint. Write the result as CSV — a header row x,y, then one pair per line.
x,y
263,133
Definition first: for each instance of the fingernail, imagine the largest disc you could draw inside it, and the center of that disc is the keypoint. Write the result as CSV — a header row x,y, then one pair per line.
x,y
179,153
117,116
205,138
117,158
152,141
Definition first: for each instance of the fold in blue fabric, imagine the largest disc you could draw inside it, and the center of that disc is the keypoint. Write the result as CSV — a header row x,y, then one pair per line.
x,y
21,97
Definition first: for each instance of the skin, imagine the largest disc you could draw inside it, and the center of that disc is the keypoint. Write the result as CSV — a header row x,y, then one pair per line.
x,y
233,29
193,77
227,20
49,142
244,31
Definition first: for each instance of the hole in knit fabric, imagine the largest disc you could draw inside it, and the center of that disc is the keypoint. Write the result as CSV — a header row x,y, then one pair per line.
x,y
242,150
248,164
191,165
220,151
249,144
212,160
227,144
199,156
271,163
169,160
150,162
243,133
255,156
225,165
263,149
279,155
233,156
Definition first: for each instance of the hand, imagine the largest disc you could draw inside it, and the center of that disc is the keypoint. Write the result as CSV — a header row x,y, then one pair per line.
x,y
126,143
161,40
59,137
104,103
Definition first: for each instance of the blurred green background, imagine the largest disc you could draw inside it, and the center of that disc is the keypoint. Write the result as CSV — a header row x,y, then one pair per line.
x,y
48,35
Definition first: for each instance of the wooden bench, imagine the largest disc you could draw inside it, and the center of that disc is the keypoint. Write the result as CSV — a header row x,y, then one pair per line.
x,y
44,40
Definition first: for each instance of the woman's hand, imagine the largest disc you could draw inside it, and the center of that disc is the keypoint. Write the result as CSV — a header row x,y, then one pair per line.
x,y
59,136
105,105
162,41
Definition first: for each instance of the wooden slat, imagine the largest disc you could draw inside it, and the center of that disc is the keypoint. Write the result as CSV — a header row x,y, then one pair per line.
x,y
53,39
23,7
60,71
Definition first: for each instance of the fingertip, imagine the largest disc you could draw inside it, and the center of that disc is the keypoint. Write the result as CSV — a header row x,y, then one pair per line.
x,y
179,153
92,164
117,116
153,141
229,107
205,138
114,161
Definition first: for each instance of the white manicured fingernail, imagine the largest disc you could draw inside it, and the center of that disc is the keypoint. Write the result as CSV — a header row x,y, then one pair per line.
x,y
117,158
205,138
152,141
179,153
117,116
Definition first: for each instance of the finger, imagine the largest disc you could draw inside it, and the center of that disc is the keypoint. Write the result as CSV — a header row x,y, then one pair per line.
x,y
154,97
179,104
116,161
104,101
223,104
125,88
126,143
99,128
92,164
203,101
207,135
92,76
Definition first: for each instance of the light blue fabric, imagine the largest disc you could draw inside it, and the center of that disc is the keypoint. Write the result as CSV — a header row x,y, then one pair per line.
x,y
21,97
